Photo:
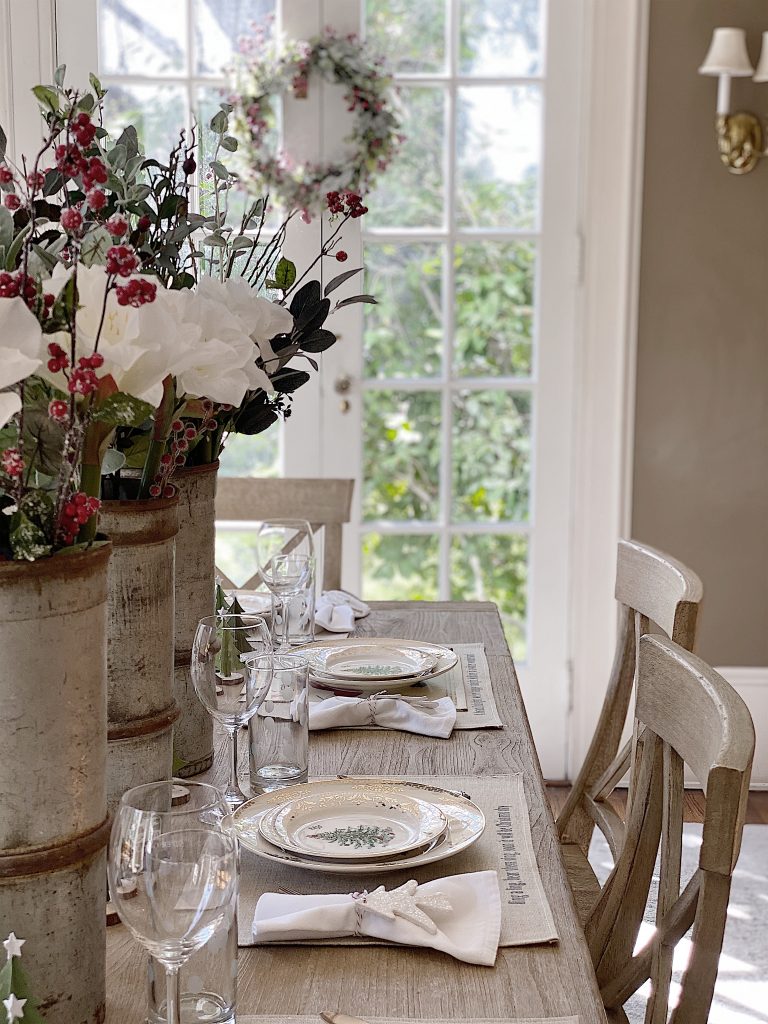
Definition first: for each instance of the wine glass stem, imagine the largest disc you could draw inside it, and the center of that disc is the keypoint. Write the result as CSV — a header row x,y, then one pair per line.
x,y
172,994
286,623
234,785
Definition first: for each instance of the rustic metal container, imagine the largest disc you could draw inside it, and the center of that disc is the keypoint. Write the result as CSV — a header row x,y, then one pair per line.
x,y
53,813
140,704
195,580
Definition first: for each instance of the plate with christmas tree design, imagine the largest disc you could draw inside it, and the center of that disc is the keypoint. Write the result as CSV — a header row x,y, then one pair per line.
x,y
353,825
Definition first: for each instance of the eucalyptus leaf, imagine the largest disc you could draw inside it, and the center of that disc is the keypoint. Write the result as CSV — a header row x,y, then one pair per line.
x,y
219,122
112,461
229,142
15,248
219,169
340,279
3,143
6,228
60,74
46,97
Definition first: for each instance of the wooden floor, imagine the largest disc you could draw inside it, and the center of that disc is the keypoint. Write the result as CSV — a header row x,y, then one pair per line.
x,y
757,807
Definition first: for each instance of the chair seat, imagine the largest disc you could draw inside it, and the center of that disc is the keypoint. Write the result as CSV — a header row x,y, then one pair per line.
x,y
581,878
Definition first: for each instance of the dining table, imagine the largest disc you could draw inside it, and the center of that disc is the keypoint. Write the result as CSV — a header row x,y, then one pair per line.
x,y
546,981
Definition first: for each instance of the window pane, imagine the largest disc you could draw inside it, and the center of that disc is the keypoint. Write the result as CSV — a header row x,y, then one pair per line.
x,y
410,35
403,333
252,454
411,192
401,455
494,567
399,568
498,152
236,554
491,456
494,308
143,37
501,37
218,26
158,111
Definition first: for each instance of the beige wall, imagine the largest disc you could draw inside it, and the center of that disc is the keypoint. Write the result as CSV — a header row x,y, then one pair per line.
x,y
701,442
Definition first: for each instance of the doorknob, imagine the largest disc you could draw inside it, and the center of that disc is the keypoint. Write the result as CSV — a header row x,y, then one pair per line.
x,y
342,384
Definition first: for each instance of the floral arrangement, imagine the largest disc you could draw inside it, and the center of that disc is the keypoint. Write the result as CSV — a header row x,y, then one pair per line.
x,y
269,70
132,330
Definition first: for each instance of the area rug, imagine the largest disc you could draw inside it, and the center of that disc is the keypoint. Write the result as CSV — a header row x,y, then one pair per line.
x,y
741,993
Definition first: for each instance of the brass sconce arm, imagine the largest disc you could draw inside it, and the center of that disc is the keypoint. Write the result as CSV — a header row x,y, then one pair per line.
x,y
739,141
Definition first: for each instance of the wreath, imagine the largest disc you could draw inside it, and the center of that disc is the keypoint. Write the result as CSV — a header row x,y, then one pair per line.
x,y
267,73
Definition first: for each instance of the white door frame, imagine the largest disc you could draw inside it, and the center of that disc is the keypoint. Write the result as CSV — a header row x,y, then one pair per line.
x,y
616,47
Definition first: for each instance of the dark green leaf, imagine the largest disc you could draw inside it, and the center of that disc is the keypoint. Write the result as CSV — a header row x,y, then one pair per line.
x,y
356,298
15,248
285,273
3,143
308,293
43,440
229,142
288,380
53,182
318,341
219,122
340,279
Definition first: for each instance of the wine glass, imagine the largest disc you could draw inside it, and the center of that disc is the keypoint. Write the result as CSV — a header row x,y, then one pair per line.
x,y
172,887
286,556
224,683
207,981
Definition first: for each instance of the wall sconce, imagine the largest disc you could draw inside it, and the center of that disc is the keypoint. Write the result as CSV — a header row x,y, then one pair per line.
x,y
739,135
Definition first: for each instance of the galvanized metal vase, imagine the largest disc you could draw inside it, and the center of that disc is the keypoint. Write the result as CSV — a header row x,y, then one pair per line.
x,y
141,706
195,580
53,812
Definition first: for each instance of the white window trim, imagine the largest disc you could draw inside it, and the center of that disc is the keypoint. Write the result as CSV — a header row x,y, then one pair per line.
x,y
616,47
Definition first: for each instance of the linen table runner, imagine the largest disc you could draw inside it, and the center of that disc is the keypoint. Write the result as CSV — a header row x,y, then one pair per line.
x,y
505,847
468,684
410,1020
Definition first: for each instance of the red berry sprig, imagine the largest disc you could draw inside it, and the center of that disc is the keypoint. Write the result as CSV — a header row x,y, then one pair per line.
x,y
76,512
12,462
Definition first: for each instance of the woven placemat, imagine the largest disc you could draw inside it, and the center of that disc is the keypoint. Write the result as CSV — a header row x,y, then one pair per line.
x,y
504,847
468,684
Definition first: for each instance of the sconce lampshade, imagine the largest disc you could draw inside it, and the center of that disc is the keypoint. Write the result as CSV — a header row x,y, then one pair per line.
x,y
761,75
727,54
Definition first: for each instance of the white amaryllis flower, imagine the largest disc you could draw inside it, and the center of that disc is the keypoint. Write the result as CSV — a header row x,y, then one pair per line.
x,y
21,351
140,346
262,319
221,364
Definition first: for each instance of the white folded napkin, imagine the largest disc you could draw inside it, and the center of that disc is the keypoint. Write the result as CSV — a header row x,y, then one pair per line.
x,y
390,711
460,915
336,611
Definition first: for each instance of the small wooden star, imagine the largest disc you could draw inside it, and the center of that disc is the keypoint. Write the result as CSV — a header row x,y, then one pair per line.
x,y
15,1008
406,902
13,945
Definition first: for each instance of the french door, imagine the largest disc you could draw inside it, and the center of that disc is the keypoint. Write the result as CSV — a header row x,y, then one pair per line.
x,y
450,402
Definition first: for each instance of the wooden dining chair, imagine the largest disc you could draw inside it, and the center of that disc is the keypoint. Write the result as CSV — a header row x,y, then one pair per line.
x,y
655,593
685,715
325,504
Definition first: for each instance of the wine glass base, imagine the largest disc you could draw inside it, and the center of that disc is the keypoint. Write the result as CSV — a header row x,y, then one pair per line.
x,y
197,1008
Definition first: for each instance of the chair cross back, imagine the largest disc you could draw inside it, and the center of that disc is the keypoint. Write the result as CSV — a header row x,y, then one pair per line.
x,y
324,504
686,714
651,588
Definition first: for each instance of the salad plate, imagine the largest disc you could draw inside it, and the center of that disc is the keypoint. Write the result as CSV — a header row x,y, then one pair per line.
x,y
466,824
380,664
350,824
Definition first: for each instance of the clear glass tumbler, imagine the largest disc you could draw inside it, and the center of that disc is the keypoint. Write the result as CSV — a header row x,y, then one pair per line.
x,y
300,609
278,734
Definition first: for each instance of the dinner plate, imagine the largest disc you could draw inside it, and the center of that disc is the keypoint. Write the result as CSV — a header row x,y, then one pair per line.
x,y
466,823
352,825
445,660
371,661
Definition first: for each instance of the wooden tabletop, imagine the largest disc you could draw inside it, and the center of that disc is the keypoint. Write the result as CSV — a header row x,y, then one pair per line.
x,y
533,981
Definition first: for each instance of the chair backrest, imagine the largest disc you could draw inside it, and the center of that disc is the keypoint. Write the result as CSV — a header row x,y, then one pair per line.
x,y
651,588
685,714
323,503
